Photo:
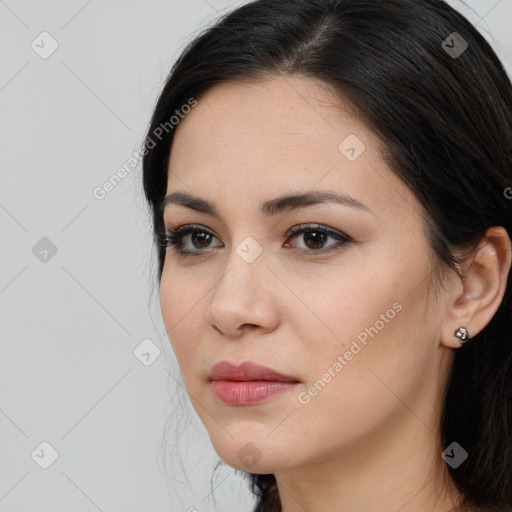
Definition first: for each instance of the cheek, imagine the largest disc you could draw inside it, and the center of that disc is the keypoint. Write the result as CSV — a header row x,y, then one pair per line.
x,y
181,296
370,319
345,306
352,386
180,305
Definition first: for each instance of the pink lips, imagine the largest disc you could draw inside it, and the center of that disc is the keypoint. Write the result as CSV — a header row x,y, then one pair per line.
x,y
247,383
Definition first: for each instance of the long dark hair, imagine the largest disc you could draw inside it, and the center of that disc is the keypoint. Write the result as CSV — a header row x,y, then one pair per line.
x,y
443,113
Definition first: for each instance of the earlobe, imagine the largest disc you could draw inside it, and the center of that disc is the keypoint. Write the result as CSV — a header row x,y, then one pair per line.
x,y
483,287
462,334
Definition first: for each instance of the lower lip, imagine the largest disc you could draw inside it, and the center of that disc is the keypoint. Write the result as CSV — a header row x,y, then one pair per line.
x,y
233,392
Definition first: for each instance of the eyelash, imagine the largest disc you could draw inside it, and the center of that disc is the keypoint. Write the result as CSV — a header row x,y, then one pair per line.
x,y
173,238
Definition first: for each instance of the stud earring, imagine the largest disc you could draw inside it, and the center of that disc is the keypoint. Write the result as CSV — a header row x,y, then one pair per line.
x,y
463,334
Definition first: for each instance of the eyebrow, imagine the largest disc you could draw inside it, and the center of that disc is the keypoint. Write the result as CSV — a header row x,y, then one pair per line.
x,y
272,207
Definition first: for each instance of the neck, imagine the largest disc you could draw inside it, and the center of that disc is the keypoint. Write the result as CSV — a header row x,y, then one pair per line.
x,y
399,469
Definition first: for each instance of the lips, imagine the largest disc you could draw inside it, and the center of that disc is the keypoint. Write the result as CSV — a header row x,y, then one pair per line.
x,y
248,384
247,371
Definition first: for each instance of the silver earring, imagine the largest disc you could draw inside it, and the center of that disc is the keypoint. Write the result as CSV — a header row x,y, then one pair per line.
x,y
463,334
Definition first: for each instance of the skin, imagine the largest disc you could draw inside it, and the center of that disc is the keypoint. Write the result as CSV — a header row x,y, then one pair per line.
x,y
370,439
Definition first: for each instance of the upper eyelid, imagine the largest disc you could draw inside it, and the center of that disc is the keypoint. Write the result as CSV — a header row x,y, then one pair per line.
x,y
305,226
181,231
187,229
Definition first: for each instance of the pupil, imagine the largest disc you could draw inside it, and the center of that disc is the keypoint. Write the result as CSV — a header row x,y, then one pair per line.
x,y
318,240
205,236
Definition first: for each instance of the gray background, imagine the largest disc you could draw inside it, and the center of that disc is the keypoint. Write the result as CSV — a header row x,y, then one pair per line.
x,y
72,319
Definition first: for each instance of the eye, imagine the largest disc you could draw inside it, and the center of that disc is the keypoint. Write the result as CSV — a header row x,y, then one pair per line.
x,y
315,236
200,239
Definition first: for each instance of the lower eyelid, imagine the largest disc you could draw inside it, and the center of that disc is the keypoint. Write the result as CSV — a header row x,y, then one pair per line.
x,y
341,239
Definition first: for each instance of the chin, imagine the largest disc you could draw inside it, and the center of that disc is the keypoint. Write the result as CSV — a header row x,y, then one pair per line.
x,y
258,456
251,465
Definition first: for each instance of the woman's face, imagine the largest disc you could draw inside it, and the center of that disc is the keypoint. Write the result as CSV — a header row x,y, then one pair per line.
x,y
351,321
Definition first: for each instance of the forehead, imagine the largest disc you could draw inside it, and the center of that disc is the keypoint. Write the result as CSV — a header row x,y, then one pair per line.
x,y
281,112
287,133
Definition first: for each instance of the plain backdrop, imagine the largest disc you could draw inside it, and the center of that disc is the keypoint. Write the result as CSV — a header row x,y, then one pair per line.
x,y
89,385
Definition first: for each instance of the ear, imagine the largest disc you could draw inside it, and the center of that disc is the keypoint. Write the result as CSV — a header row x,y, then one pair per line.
x,y
477,296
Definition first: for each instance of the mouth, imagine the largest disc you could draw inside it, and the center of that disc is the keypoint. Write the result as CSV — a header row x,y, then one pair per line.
x,y
247,371
233,392
248,383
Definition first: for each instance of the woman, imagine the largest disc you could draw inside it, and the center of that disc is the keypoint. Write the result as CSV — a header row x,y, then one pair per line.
x,y
332,209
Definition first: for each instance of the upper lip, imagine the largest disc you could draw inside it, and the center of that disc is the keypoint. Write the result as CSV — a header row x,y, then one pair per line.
x,y
224,370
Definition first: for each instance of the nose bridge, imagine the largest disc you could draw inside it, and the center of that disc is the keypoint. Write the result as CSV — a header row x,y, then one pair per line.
x,y
245,267
239,298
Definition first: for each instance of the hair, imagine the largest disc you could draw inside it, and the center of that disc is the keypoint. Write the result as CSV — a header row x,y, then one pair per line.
x,y
445,126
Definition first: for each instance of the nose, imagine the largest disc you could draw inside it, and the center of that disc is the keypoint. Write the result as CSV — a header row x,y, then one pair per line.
x,y
243,299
